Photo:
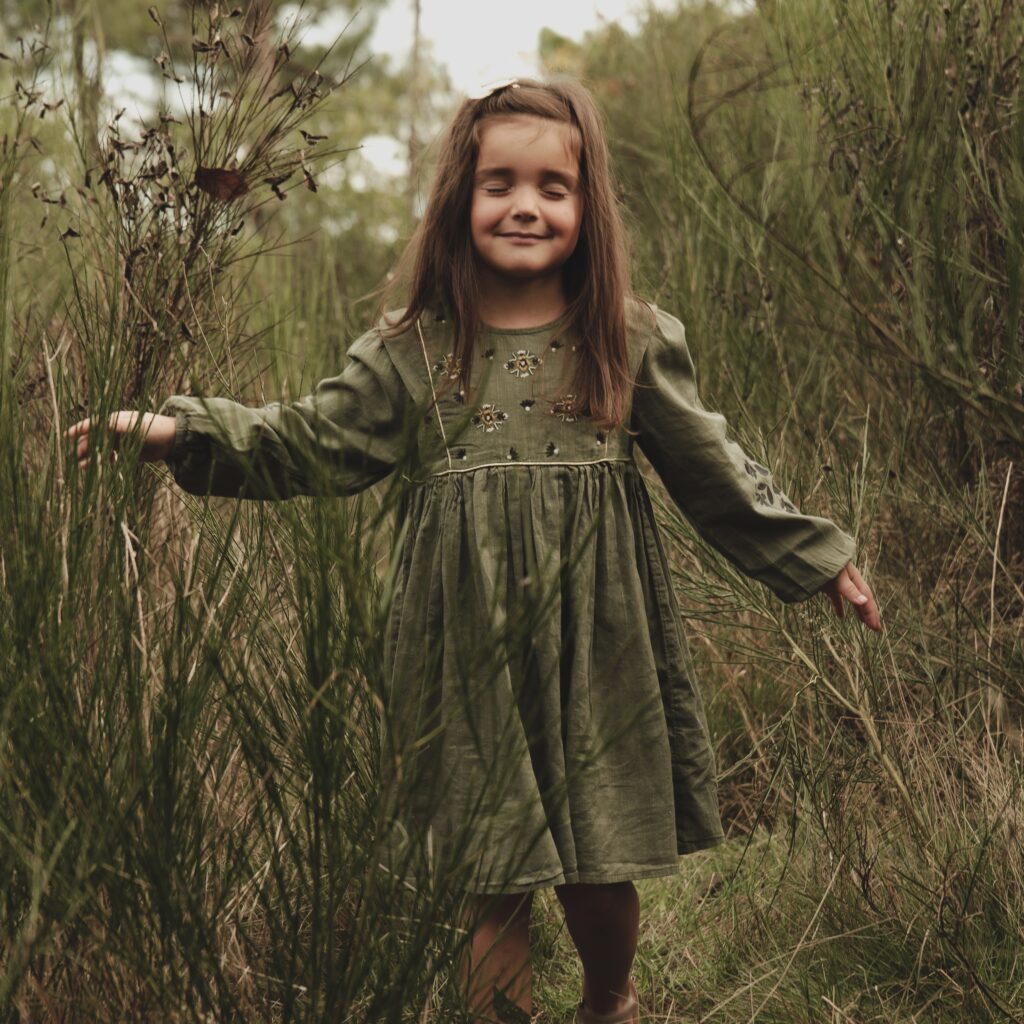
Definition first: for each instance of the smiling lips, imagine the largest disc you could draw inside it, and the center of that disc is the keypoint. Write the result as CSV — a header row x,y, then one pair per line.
x,y
523,235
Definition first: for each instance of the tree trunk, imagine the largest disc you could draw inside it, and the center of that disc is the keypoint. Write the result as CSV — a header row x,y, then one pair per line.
x,y
415,110
86,25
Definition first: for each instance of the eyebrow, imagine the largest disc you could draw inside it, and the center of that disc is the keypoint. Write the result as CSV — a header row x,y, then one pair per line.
x,y
506,172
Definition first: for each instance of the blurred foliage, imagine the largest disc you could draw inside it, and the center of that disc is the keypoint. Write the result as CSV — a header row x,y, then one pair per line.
x,y
127,25
833,175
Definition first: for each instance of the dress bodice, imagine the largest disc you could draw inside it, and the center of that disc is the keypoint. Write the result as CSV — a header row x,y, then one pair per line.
x,y
519,407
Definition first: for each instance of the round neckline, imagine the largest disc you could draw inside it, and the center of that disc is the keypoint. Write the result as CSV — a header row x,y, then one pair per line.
x,y
539,329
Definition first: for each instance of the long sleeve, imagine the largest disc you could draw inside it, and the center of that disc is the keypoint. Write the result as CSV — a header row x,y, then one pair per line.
x,y
732,500
348,434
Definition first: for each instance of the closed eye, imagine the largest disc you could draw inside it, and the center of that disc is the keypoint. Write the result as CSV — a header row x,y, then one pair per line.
x,y
550,193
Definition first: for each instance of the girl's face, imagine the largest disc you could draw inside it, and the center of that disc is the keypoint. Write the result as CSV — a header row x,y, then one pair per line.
x,y
527,209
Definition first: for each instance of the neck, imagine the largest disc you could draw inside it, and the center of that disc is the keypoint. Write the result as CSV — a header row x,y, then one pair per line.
x,y
506,302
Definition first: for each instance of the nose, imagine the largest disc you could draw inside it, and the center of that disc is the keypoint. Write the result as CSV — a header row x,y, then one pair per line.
x,y
524,203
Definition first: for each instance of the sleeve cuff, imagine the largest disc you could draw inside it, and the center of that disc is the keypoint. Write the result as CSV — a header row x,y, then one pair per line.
x,y
811,575
186,438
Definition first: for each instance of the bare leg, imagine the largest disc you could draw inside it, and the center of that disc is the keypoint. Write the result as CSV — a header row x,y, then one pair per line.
x,y
604,921
499,953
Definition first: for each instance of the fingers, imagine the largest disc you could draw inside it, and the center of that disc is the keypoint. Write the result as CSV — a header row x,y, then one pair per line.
x,y
82,451
80,433
858,580
849,589
118,423
868,609
78,429
850,585
869,614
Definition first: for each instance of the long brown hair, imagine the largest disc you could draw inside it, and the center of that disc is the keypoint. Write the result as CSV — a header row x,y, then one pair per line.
x,y
438,270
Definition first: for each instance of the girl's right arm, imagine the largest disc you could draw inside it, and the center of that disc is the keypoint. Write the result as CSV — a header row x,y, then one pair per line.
x,y
348,434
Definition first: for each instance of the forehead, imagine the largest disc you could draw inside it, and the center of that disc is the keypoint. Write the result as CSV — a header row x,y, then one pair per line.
x,y
522,139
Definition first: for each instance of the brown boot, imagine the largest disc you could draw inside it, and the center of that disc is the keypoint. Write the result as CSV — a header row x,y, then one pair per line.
x,y
629,1015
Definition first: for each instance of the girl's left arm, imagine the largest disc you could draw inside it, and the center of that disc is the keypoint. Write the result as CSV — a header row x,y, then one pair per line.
x,y
731,499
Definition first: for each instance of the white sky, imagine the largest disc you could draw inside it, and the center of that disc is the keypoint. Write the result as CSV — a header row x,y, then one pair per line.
x,y
483,40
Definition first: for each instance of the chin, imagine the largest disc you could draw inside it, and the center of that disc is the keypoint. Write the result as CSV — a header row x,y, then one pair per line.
x,y
524,271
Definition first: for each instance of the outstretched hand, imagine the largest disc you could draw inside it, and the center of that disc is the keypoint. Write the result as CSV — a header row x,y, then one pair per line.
x,y
848,584
158,434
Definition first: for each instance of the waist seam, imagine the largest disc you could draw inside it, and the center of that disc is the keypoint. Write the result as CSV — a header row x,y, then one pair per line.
x,y
511,463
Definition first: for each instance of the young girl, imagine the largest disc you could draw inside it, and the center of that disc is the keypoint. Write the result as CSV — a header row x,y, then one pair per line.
x,y
526,373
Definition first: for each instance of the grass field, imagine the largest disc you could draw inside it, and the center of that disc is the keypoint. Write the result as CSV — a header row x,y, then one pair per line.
x,y
830,194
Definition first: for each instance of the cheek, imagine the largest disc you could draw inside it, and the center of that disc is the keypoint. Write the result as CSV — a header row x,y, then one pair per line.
x,y
474,215
481,214
573,221
476,221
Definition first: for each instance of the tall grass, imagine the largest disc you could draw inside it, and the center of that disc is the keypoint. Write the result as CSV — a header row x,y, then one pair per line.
x,y
826,192
192,814
194,822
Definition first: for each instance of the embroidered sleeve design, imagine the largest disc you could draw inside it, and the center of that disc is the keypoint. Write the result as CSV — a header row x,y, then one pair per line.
x,y
764,491
489,417
522,363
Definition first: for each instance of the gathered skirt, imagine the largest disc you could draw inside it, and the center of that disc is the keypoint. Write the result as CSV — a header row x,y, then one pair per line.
x,y
542,721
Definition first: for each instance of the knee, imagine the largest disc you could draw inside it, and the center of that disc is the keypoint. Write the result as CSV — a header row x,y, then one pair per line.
x,y
500,909
596,896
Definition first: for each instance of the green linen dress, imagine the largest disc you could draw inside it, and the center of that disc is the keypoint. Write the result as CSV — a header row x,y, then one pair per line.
x,y
539,684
